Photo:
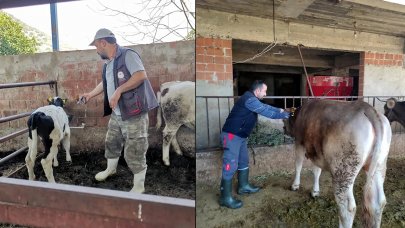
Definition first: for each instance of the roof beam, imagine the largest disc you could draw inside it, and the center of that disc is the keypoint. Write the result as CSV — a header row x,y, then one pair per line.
x,y
292,8
21,3
381,5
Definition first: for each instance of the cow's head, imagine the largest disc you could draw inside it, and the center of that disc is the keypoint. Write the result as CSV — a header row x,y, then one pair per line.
x,y
388,108
290,122
394,111
57,101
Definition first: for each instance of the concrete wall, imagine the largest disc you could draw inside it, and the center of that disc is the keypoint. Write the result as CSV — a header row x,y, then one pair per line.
x,y
222,25
269,159
78,72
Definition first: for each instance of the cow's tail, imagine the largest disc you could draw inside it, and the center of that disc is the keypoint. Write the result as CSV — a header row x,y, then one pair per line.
x,y
374,198
378,127
33,134
159,113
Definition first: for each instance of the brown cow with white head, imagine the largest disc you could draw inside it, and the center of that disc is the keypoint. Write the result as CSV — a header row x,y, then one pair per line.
x,y
343,138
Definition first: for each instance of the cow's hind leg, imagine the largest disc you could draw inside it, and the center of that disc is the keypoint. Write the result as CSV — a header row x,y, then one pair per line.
x,y
374,199
343,181
299,159
176,146
168,135
317,173
55,160
47,162
66,146
29,162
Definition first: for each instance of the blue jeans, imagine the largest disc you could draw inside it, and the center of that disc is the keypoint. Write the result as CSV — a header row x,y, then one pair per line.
x,y
236,154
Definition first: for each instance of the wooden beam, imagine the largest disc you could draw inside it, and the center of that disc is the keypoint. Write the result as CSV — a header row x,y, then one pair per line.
x,y
43,204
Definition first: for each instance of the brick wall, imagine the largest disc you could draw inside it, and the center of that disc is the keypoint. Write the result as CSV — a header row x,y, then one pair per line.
x,y
383,59
77,72
213,59
213,78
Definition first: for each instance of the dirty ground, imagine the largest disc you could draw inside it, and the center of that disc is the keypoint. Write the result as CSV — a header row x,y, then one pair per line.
x,y
177,181
276,206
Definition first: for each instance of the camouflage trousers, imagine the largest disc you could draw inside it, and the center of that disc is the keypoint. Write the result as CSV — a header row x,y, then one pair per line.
x,y
132,135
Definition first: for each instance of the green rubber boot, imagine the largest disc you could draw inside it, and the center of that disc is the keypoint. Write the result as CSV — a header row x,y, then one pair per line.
x,y
243,184
226,198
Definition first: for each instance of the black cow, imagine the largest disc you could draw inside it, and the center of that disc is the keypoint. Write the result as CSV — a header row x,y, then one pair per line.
x,y
395,111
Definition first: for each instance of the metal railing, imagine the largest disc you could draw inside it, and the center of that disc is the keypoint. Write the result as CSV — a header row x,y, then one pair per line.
x,y
52,84
212,111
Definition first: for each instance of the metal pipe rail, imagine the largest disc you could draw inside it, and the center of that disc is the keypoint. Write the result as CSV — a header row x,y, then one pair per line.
x,y
43,204
14,117
13,135
24,84
12,155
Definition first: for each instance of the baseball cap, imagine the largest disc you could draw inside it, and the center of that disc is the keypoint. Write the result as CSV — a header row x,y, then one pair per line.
x,y
102,33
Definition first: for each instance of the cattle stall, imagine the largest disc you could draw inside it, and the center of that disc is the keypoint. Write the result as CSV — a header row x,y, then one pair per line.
x,y
215,109
272,168
77,199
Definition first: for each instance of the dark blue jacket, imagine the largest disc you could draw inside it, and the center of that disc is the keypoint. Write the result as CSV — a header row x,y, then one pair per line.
x,y
243,116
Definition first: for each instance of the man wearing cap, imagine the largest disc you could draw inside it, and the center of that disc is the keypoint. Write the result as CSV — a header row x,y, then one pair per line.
x,y
128,96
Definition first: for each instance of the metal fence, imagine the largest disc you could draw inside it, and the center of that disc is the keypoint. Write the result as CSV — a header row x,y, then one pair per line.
x,y
212,111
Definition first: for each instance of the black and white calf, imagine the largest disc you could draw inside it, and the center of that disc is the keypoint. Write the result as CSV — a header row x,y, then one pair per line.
x,y
52,124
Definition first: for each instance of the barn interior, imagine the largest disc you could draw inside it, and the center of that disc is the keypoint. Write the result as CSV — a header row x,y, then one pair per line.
x,y
283,69
334,31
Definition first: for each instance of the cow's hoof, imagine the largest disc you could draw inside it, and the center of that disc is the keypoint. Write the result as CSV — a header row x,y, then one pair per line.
x,y
179,152
295,187
69,159
55,164
166,163
315,194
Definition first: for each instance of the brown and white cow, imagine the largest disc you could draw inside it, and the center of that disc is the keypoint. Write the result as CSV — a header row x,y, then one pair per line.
x,y
395,111
177,105
343,138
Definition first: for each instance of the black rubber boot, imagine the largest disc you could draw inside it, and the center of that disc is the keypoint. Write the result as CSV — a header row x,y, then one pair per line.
x,y
226,198
243,184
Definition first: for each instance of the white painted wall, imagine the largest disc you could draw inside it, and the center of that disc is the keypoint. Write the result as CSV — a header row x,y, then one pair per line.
x,y
384,81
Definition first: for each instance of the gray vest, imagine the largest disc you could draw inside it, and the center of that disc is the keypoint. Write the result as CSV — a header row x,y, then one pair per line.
x,y
133,102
